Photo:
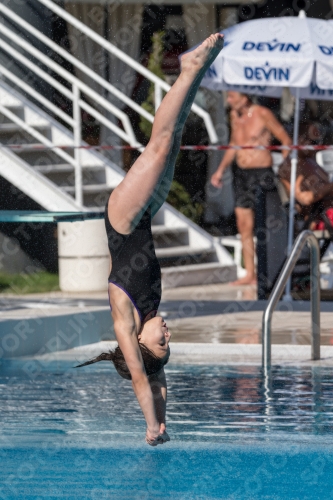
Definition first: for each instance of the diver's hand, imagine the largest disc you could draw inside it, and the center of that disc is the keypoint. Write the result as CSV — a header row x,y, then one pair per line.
x,y
153,439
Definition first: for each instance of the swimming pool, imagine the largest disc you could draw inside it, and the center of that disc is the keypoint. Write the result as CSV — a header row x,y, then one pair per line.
x,y
78,434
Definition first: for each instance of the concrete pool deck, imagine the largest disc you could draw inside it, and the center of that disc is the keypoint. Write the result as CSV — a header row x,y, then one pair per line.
x,y
206,316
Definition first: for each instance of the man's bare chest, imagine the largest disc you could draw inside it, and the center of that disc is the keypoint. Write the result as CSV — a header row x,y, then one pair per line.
x,y
249,130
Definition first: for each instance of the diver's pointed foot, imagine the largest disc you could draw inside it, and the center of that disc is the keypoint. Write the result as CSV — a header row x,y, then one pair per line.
x,y
199,59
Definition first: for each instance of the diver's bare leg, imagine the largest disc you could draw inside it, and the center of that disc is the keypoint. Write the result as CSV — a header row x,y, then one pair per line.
x,y
137,190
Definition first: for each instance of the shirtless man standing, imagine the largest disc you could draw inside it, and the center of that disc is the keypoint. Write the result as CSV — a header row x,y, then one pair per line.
x,y
251,125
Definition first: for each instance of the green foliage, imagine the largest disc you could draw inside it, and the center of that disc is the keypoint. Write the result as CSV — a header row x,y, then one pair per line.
x,y
155,66
38,282
180,199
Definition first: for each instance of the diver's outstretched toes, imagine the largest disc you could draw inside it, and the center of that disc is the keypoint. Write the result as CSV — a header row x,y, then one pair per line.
x,y
199,59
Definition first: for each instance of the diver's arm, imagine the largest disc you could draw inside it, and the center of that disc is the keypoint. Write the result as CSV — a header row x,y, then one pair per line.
x,y
128,342
159,388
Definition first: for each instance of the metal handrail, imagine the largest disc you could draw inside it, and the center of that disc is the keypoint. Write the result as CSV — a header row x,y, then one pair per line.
x,y
78,64
74,95
66,75
302,239
158,82
77,86
36,95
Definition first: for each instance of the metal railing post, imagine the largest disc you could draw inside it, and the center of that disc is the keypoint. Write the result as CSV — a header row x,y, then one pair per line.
x,y
158,96
302,239
77,144
315,298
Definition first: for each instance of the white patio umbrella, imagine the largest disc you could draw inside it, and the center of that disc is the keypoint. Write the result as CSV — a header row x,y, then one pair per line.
x,y
262,56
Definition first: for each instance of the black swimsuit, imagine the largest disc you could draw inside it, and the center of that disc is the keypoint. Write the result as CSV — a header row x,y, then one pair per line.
x,y
135,268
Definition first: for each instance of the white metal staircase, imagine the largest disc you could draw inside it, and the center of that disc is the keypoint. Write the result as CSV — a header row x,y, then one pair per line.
x,y
40,169
78,179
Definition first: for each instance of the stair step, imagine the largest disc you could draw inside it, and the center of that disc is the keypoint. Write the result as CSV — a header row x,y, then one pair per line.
x,y
16,106
198,274
90,188
63,168
161,229
34,148
162,253
16,109
12,127
8,100
99,209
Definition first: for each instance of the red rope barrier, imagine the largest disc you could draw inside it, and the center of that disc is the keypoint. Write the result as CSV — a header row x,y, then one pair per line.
x,y
211,147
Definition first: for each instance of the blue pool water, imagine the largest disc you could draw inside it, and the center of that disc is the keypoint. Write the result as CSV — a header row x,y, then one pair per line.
x,y
79,434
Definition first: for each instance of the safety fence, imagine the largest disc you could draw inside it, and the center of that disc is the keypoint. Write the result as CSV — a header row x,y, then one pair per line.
x,y
211,147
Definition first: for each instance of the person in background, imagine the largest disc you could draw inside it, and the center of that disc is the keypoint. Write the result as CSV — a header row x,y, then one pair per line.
x,y
313,190
251,125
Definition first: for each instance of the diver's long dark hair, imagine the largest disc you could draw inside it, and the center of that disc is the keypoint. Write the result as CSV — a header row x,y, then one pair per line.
x,y
153,364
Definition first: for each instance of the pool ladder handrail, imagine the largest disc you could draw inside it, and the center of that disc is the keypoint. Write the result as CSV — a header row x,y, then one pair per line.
x,y
301,240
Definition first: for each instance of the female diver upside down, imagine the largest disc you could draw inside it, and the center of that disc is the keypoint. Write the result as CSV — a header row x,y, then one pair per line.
x,y
135,277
